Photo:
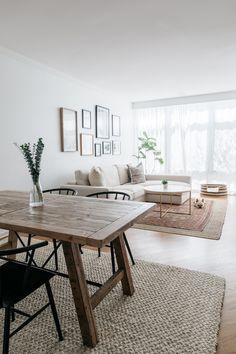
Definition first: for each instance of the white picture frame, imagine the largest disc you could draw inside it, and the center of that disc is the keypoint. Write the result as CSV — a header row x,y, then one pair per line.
x,y
86,144
116,147
69,130
115,125
102,122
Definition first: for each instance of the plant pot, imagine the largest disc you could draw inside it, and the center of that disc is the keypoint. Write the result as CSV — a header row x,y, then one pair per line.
x,y
36,195
165,186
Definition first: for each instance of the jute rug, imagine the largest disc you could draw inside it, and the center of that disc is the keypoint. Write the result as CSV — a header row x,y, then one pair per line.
x,y
206,223
172,311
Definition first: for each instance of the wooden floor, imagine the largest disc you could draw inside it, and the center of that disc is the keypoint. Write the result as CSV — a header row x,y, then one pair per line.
x,y
216,257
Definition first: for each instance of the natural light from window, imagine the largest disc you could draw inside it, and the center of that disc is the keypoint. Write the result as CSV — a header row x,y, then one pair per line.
x,y
197,139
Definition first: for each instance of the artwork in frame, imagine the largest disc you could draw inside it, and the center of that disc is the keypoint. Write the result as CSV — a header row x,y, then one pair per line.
x,y
98,149
106,147
115,125
116,149
69,130
102,122
86,144
86,119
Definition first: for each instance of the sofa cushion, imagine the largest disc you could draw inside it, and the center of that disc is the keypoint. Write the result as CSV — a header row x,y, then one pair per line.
x,y
123,172
134,190
110,175
137,173
81,177
96,177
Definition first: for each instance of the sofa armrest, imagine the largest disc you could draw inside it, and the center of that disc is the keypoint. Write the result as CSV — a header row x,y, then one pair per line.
x,y
83,190
177,178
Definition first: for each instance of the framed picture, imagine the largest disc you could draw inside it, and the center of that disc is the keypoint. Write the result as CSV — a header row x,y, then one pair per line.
x,y
98,149
86,144
106,147
86,119
116,147
102,122
115,125
69,129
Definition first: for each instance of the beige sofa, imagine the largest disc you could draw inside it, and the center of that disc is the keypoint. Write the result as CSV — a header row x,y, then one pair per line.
x,y
116,178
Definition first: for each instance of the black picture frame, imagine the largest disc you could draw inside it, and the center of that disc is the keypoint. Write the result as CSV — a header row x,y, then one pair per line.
x,y
115,125
106,148
102,117
86,119
97,149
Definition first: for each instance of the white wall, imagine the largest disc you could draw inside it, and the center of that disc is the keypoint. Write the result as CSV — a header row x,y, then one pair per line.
x,y
30,97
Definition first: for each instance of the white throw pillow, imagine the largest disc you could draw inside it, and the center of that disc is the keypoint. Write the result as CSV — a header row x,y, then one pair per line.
x,y
137,173
111,175
81,177
123,172
96,177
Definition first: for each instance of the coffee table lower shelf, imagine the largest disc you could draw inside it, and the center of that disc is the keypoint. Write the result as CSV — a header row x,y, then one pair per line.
x,y
168,210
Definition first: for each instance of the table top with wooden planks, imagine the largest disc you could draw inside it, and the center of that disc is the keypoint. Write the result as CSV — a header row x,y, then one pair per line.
x,y
88,221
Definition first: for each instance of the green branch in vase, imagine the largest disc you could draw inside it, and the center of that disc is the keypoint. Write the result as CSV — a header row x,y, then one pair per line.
x,y
32,156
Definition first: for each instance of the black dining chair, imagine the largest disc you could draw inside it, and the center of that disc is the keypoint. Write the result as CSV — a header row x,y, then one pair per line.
x,y
17,281
56,244
115,196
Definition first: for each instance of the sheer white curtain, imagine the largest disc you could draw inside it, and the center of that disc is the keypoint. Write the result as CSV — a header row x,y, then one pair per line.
x,y
197,139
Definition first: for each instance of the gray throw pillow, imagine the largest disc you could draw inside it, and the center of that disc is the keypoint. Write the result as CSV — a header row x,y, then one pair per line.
x,y
137,173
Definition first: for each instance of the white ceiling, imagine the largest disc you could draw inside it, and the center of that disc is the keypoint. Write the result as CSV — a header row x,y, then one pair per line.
x,y
143,49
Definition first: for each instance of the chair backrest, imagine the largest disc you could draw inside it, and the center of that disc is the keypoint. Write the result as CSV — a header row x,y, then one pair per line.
x,y
30,250
65,191
111,195
27,249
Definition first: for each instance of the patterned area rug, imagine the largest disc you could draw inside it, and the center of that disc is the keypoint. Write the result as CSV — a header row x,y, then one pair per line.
x,y
205,223
173,311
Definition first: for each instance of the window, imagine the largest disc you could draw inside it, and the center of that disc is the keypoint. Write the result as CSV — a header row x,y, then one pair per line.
x,y
197,139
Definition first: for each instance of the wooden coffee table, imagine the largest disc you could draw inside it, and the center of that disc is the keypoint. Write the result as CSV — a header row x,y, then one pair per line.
x,y
170,191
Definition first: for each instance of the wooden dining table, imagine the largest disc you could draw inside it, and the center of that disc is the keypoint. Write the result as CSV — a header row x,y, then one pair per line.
x,y
73,221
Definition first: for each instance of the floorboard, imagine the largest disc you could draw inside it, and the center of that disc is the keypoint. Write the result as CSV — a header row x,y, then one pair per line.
x,y
216,257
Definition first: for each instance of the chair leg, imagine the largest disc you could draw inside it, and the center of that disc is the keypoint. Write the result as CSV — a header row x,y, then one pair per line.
x,y
80,248
13,315
28,244
99,252
113,258
6,333
55,248
55,253
54,310
128,249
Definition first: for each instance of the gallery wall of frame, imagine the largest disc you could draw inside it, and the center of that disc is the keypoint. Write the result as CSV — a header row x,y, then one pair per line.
x,y
100,132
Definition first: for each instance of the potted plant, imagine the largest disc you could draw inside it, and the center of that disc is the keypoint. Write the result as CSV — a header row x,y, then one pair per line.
x,y
148,145
164,183
33,156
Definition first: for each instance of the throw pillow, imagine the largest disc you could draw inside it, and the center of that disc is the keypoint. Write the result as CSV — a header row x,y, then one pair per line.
x,y
81,177
96,177
111,176
137,173
123,172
